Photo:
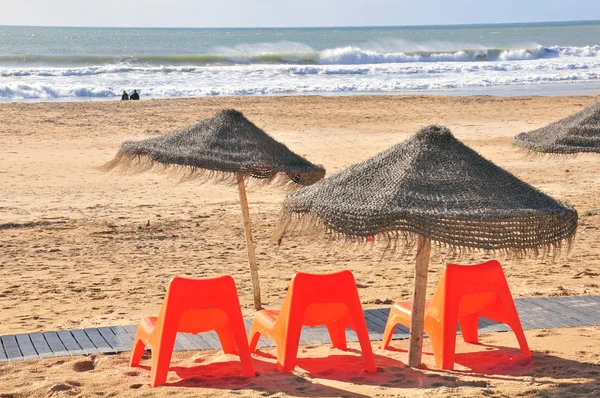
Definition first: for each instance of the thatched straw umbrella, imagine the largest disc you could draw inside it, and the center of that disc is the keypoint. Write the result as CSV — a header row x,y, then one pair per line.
x,y
227,147
431,187
579,132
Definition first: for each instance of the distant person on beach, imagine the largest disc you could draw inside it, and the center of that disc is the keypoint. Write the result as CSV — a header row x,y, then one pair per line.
x,y
125,96
134,96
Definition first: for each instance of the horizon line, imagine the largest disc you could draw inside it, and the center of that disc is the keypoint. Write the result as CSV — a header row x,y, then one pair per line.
x,y
582,21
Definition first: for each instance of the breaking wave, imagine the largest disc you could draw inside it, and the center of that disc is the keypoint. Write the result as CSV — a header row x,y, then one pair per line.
x,y
301,54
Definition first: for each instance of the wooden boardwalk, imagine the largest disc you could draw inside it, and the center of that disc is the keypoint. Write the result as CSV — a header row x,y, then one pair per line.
x,y
535,313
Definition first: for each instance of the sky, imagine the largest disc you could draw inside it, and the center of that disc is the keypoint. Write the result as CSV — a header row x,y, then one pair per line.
x,y
290,13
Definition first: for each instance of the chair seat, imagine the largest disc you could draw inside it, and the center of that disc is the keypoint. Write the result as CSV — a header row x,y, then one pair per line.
x,y
403,310
148,323
267,317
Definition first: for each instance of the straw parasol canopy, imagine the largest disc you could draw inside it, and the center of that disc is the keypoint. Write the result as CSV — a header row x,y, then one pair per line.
x,y
224,146
579,132
431,187
227,147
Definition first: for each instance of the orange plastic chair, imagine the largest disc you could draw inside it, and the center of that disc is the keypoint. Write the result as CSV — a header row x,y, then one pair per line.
x,y
311,300
463,294
193,306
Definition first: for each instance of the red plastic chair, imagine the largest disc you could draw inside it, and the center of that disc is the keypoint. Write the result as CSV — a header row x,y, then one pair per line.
x,y
463,294
193,306
311,300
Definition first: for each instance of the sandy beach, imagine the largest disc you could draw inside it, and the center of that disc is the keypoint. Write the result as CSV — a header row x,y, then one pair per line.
x,y
81,248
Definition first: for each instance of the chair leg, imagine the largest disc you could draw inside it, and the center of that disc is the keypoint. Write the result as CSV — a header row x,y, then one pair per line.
x,y
337,332
469,326
161,360
238,331
443,339
136,354
253,337
287,349
518,330
508,314
360,327
226,339
390,326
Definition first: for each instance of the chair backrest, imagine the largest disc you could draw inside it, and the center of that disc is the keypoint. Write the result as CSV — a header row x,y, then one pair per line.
x,y
196,305
469,288
319,298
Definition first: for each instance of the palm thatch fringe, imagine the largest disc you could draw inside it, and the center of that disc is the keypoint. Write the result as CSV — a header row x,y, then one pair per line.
x,y
126,164
579,132
400,243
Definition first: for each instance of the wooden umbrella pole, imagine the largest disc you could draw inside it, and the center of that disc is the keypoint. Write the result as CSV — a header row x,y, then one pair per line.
x,y
249,242
417,318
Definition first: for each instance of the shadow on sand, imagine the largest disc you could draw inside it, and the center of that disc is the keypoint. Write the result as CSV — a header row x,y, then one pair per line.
x,y
482,370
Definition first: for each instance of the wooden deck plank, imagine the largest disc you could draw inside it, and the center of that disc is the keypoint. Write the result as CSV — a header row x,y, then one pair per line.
x,y
212,339
70,343
94,335
592,298
200,341
556,315
375,326
382,316
351,335
112,339
550,314
178,346
527,321
41,345
11,347
123,335
26,346
132,330
3,357
309,336
186,340
536,316
581,315
588,304
323,333
182,343
84,341
56,345
564,314
490,325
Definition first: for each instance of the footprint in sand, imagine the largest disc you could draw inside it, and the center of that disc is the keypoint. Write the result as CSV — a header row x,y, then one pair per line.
x,y
69,385
85,365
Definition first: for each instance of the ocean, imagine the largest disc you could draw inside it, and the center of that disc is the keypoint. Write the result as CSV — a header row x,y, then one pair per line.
x,y
73,64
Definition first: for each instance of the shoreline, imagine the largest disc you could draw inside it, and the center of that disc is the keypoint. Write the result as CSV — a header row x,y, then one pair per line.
x,y
542,90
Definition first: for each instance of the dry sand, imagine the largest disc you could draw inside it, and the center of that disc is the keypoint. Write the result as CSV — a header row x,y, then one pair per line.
x,y
80,248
